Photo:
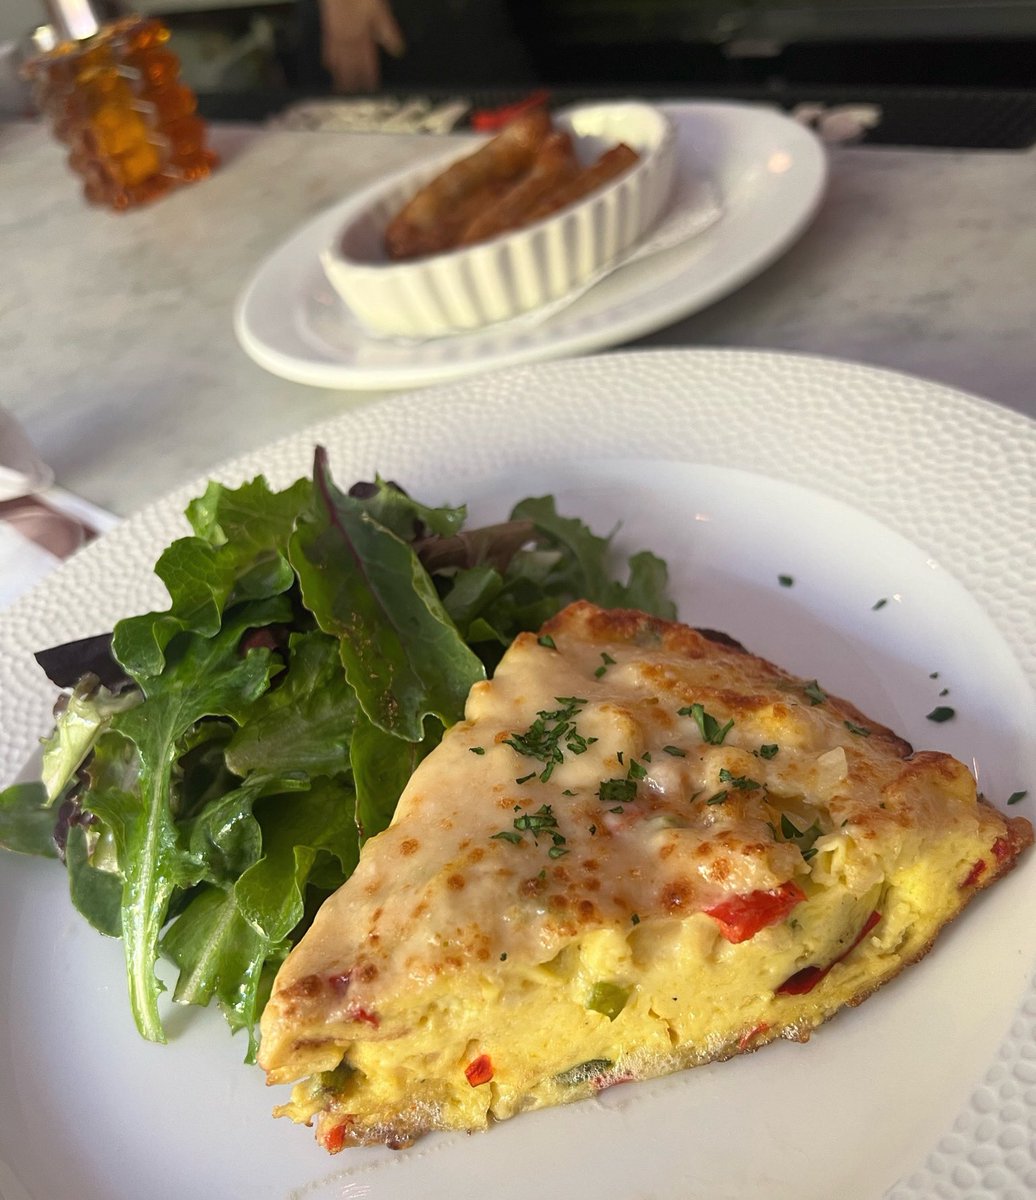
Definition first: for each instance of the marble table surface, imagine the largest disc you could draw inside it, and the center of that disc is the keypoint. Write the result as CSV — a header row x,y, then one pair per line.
x,y
118,356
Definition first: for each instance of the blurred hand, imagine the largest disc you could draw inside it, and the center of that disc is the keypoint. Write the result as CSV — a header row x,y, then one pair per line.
x,y
353,31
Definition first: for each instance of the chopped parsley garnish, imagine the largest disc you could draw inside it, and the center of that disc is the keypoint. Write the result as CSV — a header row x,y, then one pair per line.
x,y
545,736
1016,796
675,751
526,778
542,818
788,828
606,662
547,640
934,675
476,749
568,792
815,692
619,758
503,957
577,744
803,838
617,809
646,756
542,821
718,798
710,729
622,791
635,919
879,604
769,750
785,580
617,791
941,713
945,692
857,729
741,782
509,835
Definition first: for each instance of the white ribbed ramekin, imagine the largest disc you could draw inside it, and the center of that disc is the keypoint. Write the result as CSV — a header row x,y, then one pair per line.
x,y
514,272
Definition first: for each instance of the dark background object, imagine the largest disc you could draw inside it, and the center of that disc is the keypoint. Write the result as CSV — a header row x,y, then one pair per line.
x,y
944,73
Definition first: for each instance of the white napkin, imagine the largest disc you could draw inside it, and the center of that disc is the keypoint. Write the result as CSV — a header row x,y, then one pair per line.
x,y
22,471
40,525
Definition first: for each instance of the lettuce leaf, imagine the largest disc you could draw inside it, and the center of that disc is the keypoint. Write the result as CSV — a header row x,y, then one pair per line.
x,y
403,656
315,647
203,677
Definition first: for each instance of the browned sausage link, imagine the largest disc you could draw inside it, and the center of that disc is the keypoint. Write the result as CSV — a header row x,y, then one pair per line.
x,y
443,235
612,163
427,223
555,166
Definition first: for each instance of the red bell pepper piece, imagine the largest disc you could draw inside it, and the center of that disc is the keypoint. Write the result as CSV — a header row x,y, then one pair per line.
x,y
491,120
479,1070
807,979
975,874
741,917
1002,850
750,1035
335,1139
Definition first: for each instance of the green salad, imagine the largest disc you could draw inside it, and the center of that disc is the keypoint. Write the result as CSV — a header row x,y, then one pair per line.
x,y
216,767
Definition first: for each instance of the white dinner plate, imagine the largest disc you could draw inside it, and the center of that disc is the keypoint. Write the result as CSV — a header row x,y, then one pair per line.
x,y
739,467
766,171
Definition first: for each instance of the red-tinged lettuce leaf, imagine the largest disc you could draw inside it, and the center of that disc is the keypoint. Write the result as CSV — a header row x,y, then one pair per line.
x,y
65,665
297,832
238,554
220,955
490,545
391,507
26,825
382,765
203,677
402,654
305,723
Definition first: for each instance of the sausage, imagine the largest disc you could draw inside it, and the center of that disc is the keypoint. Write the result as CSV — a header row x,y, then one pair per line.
x,y
434,218
612,162
555,166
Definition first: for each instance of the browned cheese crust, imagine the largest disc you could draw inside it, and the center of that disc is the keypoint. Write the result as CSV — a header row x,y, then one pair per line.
x,y
707,825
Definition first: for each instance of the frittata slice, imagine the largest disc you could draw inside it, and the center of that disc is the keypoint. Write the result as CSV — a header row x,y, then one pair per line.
x,y
643,849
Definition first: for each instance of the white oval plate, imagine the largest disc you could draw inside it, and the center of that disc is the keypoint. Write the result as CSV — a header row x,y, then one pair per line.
x,y
768,171
739,467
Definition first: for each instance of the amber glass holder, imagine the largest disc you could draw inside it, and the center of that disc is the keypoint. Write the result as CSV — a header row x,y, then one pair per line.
x,y
130,123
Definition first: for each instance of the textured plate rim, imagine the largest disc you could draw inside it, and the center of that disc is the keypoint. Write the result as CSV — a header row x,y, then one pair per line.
x,y
806,383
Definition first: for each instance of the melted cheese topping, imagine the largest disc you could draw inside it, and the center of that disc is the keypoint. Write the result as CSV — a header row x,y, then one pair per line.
x,y
614,782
